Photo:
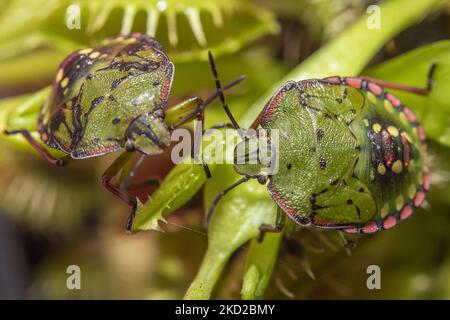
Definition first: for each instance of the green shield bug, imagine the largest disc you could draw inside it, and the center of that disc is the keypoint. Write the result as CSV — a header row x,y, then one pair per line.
x,y
112,97
350,156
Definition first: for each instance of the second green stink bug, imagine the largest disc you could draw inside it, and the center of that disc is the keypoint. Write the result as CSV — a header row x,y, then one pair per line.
x,y
350,156
112,97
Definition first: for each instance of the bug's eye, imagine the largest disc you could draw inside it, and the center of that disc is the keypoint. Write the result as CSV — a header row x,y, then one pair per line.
x,y
129,146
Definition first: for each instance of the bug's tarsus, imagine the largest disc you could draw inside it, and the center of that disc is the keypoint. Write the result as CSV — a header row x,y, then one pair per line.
x,y
278,227
57,162
402,87
220,91
430,80
220,196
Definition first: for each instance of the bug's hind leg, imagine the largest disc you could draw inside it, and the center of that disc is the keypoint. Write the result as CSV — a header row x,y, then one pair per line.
x,y
118,164
398,86
279,225
57,162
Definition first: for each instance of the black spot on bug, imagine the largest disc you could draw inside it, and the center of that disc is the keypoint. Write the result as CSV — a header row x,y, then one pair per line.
x,y
361,189
358,147
353,111
97,101
358,211
156,83
322,163
89,77
319,134
335,182
345,94
349,201
303,220
115,121
338,100
312,149
289,166
111,98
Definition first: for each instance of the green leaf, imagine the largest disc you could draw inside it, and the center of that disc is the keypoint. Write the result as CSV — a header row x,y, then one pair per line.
x,y
345,55
180,185
411,68
260,262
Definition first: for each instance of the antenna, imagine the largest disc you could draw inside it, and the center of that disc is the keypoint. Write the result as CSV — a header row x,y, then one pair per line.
x,y
220,91
221,194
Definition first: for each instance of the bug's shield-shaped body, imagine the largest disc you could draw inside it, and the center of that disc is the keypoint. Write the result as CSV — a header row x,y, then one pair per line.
x,y
350,156
98,92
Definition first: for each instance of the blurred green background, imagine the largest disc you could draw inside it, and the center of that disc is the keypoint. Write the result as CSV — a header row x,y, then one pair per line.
x,y
51,218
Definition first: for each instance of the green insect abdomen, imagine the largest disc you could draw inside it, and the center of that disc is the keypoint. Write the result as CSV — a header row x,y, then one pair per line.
x,y
392,160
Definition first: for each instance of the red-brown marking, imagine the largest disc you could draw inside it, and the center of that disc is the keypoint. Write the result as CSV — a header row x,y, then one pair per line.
x,y
409,115
421,133
406,150
406,212
44,137
336,80
394,100
418,200
272,104
389,222
426,181
387,148
371,227
354,82
166,88
374,88
351,230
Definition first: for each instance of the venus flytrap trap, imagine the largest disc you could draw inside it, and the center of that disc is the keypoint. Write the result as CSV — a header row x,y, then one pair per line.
x,y
186,29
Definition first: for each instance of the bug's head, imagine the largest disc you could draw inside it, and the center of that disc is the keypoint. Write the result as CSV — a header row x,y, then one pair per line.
x,y
148,133
256,155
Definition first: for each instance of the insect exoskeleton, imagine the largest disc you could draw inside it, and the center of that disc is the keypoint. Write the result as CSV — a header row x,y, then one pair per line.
x,y
349,155
110,97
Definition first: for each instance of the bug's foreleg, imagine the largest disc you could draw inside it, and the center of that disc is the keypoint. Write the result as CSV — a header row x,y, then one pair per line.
x,y
57,162
123,194
184,112
279,225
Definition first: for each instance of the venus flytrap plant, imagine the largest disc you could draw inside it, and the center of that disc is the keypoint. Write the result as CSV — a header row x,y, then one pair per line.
x,y
186,30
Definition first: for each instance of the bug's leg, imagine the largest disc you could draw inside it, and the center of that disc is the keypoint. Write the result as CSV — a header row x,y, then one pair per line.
x,y
185,112
109,174
279,225
220,196
58,162
406,88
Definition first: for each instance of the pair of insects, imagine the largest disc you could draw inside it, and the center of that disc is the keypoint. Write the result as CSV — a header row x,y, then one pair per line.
x,y
351,156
